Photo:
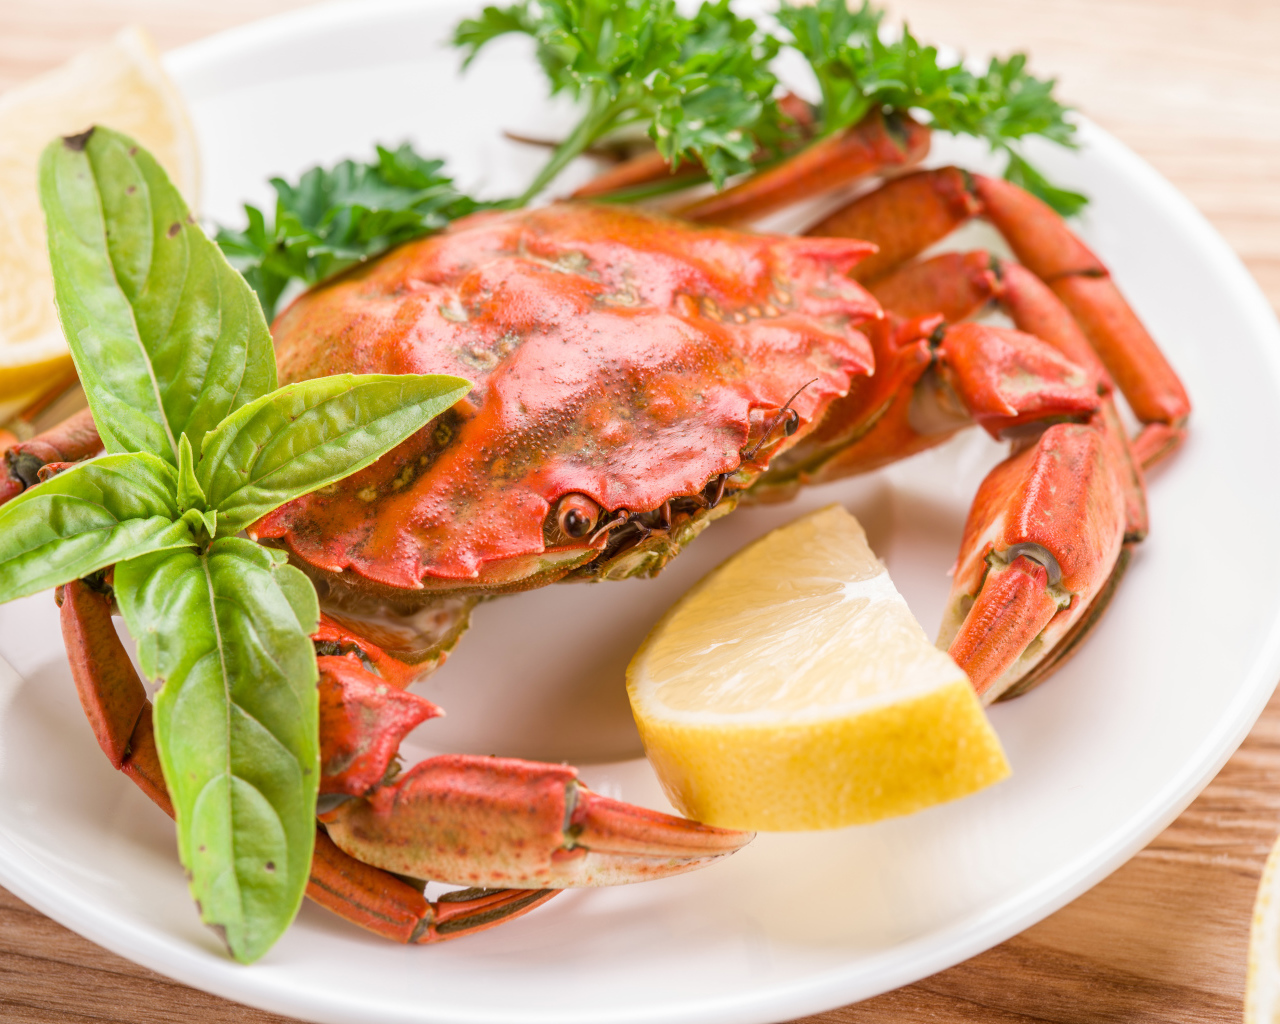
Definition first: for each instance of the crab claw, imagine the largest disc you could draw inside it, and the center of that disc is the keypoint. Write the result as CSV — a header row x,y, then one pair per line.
x,y
1040,550
362,721
490,821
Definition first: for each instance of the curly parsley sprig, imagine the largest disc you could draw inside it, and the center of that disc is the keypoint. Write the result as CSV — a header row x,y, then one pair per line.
x,y
858,72
334,218
700,86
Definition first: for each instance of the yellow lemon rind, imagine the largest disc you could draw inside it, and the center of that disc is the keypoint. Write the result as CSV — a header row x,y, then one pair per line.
x,y
881,763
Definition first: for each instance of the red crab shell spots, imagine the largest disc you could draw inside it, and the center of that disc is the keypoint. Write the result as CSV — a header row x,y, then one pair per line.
x,y
614,353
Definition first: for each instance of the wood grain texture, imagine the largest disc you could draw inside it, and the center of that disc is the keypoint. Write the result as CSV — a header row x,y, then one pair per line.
x,y
1193,88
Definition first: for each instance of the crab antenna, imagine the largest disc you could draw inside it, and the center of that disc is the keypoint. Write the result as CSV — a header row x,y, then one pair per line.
x,y
794,417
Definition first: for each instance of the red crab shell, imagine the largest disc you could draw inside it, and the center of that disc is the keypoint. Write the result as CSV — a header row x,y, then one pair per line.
x,y
615,353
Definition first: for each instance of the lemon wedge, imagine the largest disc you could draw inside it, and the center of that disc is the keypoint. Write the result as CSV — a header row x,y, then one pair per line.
x,y
120,84
792,689
1262,989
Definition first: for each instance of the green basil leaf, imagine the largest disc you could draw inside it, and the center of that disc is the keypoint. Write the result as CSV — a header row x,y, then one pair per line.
x,y
310,434
226,635
166,337
190,494
86,518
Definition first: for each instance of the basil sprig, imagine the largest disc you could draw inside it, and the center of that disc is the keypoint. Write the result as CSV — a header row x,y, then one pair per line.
x,y
176,360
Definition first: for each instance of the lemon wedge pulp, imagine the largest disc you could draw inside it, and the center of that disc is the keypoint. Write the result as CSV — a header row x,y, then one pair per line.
x,y
120,84
1262,990
792,689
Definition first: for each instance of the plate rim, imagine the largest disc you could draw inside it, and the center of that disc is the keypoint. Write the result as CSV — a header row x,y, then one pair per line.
x,y
905,962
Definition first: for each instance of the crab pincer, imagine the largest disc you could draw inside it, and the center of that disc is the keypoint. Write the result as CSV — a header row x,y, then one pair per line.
x,y
502,821
911,213
115,703
515,831
479,821
1050,530
1043,539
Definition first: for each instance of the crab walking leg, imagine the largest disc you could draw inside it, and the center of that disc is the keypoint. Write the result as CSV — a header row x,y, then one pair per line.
x,y
1044,244
73,439
393,908
952,285
644,169
903,217
909,214
649,167
876,143
500,821
110,691
1043,538
120,715
958,285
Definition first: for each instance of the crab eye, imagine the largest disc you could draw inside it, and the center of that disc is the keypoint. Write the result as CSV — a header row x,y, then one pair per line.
x,y
576,515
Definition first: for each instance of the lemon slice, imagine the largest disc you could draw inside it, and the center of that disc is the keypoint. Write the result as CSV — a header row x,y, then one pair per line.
x,y
120,84
793,689
1262,990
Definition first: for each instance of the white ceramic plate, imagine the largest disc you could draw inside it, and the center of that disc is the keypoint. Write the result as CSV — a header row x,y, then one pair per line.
x,y
1104,755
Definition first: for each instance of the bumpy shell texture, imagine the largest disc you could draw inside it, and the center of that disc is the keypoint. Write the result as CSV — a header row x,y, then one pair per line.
x,y
615,354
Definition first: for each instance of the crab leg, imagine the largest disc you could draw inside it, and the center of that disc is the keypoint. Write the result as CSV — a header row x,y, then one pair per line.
x,y
903,217
73,439
1042,542
644,169
362,721
908,215
485,821
1037,310
1049,250
651,166
115,701
931,380
500,821
958,285
1018,602
395,909
1015,613
874,144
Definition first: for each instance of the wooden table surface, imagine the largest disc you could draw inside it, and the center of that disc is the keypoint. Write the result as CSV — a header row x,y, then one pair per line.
x,y
1195,89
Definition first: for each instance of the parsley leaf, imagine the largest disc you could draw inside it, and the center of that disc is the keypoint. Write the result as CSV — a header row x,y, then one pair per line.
x,y
857,72
701,86
334,218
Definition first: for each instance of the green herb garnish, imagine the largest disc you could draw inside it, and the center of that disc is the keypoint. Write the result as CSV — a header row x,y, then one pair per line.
x,y
701,87
639,62
857,72
332,219
176,361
